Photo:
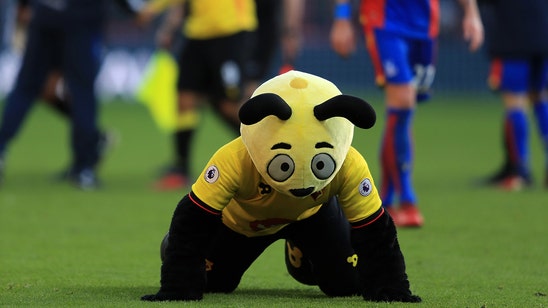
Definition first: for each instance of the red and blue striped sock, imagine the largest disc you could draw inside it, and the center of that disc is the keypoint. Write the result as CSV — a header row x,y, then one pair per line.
x,y
516,135
397,157
541,114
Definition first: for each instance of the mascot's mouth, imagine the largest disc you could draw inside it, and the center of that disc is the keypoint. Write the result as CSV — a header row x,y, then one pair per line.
x,y
302,192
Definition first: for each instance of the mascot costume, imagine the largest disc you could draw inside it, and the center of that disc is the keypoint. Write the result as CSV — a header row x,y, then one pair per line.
x,y
291,175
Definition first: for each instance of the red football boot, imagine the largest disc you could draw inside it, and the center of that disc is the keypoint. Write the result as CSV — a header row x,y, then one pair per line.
x,y
394,213
409,216
171,180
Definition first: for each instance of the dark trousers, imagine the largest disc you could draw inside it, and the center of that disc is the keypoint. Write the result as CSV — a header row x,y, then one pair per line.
x,y
76,52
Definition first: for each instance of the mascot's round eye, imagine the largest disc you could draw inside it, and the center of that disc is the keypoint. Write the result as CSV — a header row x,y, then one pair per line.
x,y
281,167
323,166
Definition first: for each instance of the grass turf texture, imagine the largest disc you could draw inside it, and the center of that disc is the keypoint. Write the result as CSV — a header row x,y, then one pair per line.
x,y
480,247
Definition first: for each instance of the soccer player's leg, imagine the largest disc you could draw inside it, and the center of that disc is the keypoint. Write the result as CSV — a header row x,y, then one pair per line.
x,y
395,71
397,157
424,70
81,64
511,78
322,253
228,77
376,47
55,95
190,81
30,79
263,43
176,175
421,63
539,98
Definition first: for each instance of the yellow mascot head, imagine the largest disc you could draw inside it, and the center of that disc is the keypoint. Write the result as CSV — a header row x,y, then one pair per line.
x,y
298,128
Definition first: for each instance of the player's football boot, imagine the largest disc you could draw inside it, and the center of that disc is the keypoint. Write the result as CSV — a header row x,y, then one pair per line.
x,y
515,183
509,179
499,176
408,216
107,140
392,211
172,179
85,179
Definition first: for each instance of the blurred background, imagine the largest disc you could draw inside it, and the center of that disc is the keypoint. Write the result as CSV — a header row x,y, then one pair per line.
x,y
129,47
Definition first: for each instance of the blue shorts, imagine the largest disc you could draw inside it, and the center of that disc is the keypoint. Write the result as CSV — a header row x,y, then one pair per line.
x,y
518,75
402,60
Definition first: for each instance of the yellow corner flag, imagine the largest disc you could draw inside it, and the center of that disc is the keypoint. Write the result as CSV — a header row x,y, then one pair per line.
x,y
158,89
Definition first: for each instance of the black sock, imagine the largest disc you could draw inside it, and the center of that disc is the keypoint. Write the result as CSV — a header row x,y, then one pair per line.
x,y
183,139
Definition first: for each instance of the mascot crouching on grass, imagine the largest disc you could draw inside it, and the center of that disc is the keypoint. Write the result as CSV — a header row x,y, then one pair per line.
x,y
292,175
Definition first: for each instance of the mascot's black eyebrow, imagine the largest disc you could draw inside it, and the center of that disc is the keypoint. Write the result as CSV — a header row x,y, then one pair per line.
x,y
354,109
287,146
281,145
324,145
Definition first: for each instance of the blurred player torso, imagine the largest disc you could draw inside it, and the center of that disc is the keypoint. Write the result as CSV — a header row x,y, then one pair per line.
x,y
410,18
69,12
216,18
518,28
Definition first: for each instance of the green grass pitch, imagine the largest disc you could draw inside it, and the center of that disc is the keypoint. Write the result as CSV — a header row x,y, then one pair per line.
x,y
60,247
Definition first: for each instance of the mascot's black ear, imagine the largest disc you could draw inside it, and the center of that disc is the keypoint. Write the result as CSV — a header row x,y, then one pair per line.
x,y
354,109
263,105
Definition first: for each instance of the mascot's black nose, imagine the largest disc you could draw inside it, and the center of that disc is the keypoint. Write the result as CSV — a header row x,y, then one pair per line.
x,y
302,192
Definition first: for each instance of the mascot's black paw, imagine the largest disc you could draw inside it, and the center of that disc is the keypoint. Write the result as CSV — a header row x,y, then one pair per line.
x,y
393,296
414,299
150,298
164,296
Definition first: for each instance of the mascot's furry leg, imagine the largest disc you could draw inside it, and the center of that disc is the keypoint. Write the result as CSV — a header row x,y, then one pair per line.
x,y
319,252
380,262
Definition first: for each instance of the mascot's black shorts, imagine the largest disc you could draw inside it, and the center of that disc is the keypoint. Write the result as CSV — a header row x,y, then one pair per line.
x,y
317,252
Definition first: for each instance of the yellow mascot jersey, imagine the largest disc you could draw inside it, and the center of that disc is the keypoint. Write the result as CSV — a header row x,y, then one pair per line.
x,y
231,183
207,19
